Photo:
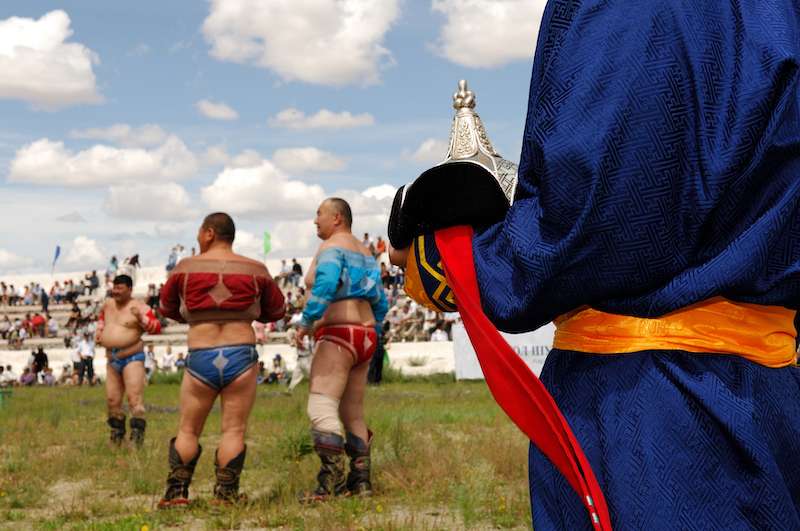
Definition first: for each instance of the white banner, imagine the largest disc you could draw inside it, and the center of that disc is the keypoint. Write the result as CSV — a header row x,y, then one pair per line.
x,y
532,347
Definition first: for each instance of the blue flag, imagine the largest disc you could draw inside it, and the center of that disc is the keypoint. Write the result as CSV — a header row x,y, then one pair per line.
x,y
55,258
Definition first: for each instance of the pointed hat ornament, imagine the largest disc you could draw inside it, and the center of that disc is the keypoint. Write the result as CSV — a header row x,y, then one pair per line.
x,y
473,185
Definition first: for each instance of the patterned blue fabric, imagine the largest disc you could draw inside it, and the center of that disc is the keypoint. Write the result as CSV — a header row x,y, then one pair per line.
x,y
343,274
677,441
119,364
660,163
218,366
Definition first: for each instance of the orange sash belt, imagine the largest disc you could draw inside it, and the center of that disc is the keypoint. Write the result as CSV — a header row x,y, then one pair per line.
x,y
762,334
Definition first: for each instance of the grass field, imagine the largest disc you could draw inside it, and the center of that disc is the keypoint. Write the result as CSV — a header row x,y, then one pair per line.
x,y
444,457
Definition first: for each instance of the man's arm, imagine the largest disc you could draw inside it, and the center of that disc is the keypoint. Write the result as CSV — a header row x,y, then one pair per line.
x,y
273,305
326,282
147,318
169,299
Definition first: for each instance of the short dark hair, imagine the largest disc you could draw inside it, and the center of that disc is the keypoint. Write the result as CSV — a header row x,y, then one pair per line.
x,y
123,279
222,224
343,209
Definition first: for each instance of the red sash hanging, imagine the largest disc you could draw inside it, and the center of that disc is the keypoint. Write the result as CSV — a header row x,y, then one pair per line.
x,y
515,388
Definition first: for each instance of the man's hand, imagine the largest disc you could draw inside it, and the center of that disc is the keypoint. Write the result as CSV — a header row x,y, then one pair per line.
x,y
301,334
398,257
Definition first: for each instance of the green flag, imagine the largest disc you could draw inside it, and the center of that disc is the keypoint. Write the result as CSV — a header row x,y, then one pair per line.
x,y
267,243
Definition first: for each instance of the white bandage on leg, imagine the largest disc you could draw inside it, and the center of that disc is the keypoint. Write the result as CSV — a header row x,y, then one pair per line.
x,y
324,414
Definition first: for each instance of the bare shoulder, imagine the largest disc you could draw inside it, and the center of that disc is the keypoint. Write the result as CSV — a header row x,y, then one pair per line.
x,y
345,241
255,263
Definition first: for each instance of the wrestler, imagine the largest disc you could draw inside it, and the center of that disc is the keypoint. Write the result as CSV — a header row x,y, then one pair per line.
x,y
344,314
120,325
656,222
219,293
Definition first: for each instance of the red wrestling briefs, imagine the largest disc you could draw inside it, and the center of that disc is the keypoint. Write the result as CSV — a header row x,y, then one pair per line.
x,y
360,341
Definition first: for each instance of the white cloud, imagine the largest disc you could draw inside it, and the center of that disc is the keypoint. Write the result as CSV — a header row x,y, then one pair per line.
x,y
216,156
381,192
84,252
292,118
431,151
123,134
10,261
47,162
261,191
488,33
307,159
167,201
38,66
216,110
249,245
219,156
246,159
170,231
326,42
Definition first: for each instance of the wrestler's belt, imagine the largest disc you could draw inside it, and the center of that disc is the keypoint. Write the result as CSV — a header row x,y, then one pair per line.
x,y
443,199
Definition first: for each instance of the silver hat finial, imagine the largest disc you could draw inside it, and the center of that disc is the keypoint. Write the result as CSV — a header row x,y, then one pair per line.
x,y
470,143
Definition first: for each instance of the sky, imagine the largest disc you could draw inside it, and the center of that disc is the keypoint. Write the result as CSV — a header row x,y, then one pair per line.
x,y
123,123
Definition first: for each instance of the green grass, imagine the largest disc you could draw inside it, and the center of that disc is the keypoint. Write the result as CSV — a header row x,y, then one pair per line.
x,y
444,457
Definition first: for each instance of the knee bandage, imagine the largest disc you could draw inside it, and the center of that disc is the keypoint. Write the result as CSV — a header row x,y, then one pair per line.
x,y
324,414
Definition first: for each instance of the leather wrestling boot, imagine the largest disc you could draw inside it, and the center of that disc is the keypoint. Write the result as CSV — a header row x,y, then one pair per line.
x,y
226,490
138,426
331,479
357,450
179,478
117,425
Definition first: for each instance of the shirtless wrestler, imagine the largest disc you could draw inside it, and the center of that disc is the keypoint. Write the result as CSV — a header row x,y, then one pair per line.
x,y
344,312
220,294
121,323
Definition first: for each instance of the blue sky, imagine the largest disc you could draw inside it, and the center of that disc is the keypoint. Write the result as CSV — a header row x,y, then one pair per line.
x,y
137,64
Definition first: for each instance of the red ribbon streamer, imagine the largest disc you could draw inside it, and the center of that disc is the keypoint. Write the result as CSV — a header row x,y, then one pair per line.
x,y
515,388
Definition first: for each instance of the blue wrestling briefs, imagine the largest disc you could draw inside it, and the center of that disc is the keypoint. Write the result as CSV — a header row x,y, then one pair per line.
x,y
118,364
219,366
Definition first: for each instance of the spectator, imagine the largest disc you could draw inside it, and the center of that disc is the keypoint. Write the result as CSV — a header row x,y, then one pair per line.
x,y
297,272
45,299
385,278
28,378
3,376
260,378
5,327
180,363
86,355
439,334
150,365
38,325
52,326
94,283
172,260
65,378
49,378
380,247
152,296
40,361
10,374
285,275
366,242
168,360
278,371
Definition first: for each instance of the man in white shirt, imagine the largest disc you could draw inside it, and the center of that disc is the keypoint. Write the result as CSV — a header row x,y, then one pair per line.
x,y
168,360
149,362
439,334
86,352
10,376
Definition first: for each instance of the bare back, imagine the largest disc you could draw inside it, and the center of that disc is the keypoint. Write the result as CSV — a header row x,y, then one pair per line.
x,y
210,334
